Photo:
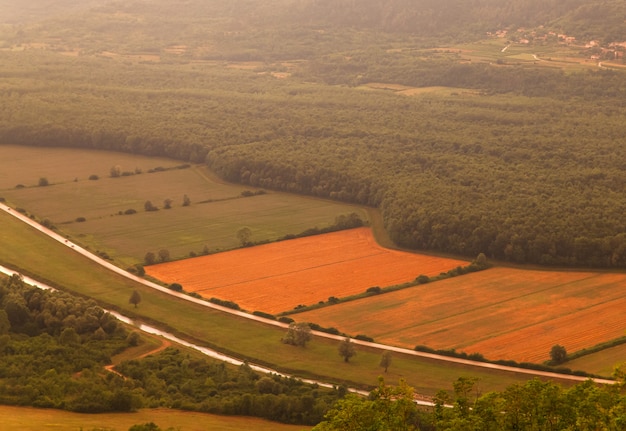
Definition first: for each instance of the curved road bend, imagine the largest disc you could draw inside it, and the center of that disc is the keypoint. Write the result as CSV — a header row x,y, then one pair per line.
x,y
202,302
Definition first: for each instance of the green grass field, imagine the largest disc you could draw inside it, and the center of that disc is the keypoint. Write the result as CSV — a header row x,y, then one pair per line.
x,y
216,213
602,363
29,419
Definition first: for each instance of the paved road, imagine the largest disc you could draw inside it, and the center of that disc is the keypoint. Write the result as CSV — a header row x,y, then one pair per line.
x,y
204,303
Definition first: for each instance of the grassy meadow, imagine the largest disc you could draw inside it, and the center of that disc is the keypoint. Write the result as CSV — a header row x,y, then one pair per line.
x,y
217,210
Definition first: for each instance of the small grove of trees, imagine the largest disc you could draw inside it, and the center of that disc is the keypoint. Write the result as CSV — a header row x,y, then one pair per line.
x,y
298,334
58,344
150,258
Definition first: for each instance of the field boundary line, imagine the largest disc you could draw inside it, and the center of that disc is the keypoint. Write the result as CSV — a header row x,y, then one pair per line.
x,y
259,319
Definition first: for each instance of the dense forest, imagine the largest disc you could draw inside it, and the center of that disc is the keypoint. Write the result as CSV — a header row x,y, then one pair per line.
x,y
521,162
535,177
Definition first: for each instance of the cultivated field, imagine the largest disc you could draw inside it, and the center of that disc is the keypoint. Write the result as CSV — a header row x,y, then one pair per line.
x,y
30,419
57,265
502,313
278,277
216,213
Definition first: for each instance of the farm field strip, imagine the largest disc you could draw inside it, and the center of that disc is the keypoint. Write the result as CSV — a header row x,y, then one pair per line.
x,y
277,277
33,419
217,210
484,313
576,331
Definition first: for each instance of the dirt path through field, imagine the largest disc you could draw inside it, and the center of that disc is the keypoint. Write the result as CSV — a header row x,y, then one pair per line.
x,y
165,343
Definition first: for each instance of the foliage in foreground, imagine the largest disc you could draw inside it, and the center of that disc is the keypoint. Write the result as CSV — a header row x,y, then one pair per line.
x,y
174,379
534,405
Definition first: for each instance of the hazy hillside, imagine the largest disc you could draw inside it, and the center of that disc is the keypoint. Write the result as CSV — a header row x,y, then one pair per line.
x,y
18,11
273,23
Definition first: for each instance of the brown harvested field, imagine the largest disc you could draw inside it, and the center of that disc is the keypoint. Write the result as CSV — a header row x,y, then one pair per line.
x,y
279,276
502,313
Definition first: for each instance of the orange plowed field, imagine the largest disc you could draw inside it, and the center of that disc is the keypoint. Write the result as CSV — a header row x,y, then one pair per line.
x,y
502,313
279,276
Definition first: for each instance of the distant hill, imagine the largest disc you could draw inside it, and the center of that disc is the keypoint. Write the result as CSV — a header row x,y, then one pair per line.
x,y
20,11
461,18
448,19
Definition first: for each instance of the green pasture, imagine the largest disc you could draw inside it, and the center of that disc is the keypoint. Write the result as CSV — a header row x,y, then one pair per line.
x,y
216,213
56,264
31,419
601,363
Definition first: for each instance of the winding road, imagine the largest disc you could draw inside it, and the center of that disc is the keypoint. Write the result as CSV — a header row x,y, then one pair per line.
x,y
204,303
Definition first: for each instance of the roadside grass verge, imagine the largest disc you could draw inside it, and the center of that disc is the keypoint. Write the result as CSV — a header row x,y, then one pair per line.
x,y
41,257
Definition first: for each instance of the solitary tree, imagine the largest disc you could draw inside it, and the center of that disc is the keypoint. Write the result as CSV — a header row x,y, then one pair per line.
x,y
186,201
385,360
43,182
164,255
298,334
558,354
149,258
167,203
243,235
346,349
148,206
135,298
